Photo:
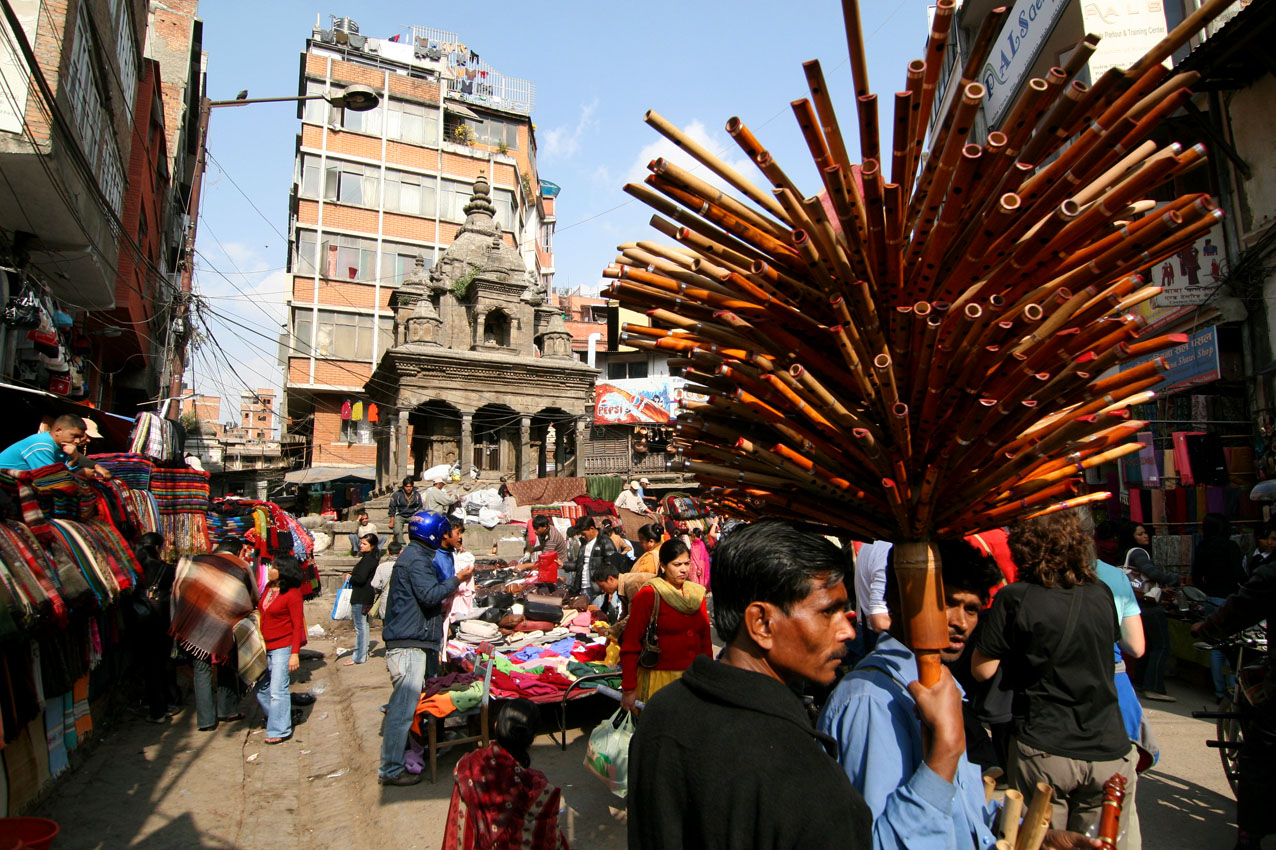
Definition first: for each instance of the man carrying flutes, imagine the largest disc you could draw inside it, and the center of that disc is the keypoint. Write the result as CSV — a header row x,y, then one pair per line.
x,y
923,791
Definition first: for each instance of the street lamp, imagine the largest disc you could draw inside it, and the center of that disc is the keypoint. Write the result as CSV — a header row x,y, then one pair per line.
x,y
354,98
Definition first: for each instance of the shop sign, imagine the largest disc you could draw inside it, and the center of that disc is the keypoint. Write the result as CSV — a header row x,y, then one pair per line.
x,y
1128,29
1192,275
639,401
1193,363
1015,50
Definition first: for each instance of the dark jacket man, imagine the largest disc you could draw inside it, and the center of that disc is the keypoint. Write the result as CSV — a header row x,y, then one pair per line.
x,y
578,577
414,601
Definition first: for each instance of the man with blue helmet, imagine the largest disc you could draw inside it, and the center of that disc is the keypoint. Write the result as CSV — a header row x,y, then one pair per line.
x,y
413,634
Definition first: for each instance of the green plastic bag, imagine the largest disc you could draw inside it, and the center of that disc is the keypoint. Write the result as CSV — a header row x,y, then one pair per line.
x,y
607,755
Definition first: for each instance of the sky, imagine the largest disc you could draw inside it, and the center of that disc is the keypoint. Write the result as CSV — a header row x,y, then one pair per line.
x,y
597,66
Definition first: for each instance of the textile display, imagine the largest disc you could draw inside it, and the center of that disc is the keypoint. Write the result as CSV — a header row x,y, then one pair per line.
x,y
570,511
210,595
604,487
36,577
595,507
133,469
546,491
145,510
180,490
60,493
156,438
684,507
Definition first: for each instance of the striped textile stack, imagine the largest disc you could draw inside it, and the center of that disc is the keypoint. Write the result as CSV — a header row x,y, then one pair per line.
x,y
133,469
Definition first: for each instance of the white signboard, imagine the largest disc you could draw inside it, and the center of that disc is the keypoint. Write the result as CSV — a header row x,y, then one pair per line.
x,y
1127,28
1191,276
1015,50
14,76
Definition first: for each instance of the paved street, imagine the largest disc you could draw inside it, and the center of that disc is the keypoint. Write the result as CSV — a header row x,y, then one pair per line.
x,y
172,787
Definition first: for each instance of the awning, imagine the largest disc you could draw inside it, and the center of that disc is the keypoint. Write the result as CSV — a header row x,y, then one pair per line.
x,y
320,474
457,109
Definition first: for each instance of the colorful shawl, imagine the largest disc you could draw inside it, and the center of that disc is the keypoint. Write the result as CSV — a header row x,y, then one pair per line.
x,y
211,593
132,469
497,804
251,647
180,491
155,437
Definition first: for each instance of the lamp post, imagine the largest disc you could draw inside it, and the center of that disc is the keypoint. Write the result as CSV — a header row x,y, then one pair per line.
x,y
356,98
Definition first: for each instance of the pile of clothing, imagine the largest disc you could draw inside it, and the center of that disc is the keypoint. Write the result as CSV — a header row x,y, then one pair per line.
x,y
182,498
271,530
157,438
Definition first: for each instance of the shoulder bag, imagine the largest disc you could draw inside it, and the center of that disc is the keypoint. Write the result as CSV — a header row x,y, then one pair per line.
x,y
650,655
1145,589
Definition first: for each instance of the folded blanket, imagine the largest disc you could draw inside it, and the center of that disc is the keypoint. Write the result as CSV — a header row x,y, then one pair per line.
x,y
251,648
211,594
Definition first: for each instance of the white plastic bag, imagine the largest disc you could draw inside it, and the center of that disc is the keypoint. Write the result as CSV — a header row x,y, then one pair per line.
x,y
607,755
341,607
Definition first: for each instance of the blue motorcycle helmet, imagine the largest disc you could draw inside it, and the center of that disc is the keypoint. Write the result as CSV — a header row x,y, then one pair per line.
x,y
428,527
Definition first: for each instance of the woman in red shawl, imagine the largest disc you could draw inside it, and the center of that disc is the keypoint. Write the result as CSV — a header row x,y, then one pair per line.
x,y
499,802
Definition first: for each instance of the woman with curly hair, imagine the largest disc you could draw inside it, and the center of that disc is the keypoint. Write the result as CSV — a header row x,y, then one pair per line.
x,y
1053,631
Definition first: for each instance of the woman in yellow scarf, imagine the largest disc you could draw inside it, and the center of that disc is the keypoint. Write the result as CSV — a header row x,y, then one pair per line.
x,y
668,627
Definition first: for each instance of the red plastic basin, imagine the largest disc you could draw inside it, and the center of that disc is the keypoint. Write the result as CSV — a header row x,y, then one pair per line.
x,y
32,833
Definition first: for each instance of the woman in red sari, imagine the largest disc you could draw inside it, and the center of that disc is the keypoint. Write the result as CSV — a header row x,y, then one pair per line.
x,y
499,802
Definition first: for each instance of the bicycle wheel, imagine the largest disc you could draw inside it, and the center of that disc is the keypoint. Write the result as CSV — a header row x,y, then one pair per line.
x,y
1230,733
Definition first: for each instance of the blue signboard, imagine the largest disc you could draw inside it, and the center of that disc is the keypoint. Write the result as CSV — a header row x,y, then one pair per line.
x,y
1193,363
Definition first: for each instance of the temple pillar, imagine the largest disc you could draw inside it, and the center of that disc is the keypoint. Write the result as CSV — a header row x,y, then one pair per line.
x,y
466,460
524,447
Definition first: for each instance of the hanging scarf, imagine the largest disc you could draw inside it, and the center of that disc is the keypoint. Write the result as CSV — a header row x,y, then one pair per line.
x,y
685,601
210,595
498,803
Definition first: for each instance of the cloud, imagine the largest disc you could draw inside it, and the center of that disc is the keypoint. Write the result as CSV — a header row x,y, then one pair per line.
x,y
564,142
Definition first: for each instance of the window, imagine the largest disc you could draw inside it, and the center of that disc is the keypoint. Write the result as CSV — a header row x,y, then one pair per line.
x,y
491,131
623,370
412,122
455,196
126,55
309,176
351,258
363,122
547,237
315,111
91,122
341,336
409,193
399,259
352,183
305,259
503,200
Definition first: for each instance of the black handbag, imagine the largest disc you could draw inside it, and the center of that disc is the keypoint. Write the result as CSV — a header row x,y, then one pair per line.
x,y
650,655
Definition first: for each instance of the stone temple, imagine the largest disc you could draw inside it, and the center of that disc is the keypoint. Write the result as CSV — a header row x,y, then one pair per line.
x,y
481,368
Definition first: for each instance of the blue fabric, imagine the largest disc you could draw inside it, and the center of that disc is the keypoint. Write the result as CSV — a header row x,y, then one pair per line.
x,y
360,618
444,564
32,452
872,717
272,693
408,669
563,647
528,653
414,600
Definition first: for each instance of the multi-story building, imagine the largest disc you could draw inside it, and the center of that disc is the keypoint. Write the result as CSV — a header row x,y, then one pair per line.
x,y
376,190
205,408
88,198
257,414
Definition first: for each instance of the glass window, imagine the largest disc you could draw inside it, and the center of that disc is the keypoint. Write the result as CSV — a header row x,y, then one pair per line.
x,y
616,372
126,56
409,193
305,261
309,176
398,259
301,332
364,122
455,196
385,335
354,258
315,111
352,183
503,200
415,123
638,369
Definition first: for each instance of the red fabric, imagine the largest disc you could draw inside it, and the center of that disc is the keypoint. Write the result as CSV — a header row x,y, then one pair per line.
x,y
534,626
282,623
547,567
681,636
593,652
596,507
995,543
497,804
525,684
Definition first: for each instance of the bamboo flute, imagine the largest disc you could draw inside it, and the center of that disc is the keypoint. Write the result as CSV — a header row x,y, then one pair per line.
x,y
756,239
1010,813
934,190
691,183
1081,54
899,136
1110,820
828,118
1052,129
913,85
855,52
717,166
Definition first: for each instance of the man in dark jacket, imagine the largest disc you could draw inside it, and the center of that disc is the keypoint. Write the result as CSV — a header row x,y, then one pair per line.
x,y
1254,602
594,551
413,633
404,504
726,758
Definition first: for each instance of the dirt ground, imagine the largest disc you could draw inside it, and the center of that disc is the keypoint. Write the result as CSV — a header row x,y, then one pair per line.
x,y
173,787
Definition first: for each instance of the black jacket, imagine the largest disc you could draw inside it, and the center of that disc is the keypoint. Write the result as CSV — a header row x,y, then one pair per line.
x,y
727,759
402,505
603,548
1216,567
361,592
1253,602
414,601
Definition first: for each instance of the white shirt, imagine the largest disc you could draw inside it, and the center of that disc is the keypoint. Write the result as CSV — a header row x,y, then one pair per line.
x,y
630,500
870,579
585,555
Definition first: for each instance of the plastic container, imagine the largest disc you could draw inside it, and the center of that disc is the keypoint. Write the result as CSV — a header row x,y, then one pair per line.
x,y
9,842
34,833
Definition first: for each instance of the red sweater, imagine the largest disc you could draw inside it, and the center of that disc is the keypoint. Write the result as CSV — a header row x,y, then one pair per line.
x,y
681,636
283,623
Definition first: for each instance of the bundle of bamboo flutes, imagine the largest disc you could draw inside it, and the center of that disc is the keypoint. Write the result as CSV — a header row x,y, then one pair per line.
x,y
922,355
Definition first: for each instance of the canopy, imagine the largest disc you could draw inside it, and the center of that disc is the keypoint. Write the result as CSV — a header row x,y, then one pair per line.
x,y
320,474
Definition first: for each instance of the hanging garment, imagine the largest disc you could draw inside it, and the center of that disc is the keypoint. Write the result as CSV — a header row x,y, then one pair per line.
x,y
356,412
345,410
373,412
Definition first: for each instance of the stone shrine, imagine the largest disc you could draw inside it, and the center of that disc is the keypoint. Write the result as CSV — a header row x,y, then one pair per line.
x,y
481,369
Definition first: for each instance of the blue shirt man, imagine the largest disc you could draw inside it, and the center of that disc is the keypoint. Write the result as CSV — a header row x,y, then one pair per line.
x,y
62,443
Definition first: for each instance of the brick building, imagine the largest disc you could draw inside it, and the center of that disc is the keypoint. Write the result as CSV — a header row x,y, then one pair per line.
x,y
374,191
90,192
257,414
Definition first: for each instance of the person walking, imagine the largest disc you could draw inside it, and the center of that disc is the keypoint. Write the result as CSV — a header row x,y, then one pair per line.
x,y
159,676
362,596
404,504
1148,580
1053,631
413,635
668,627
726,757
1218,570
283,628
